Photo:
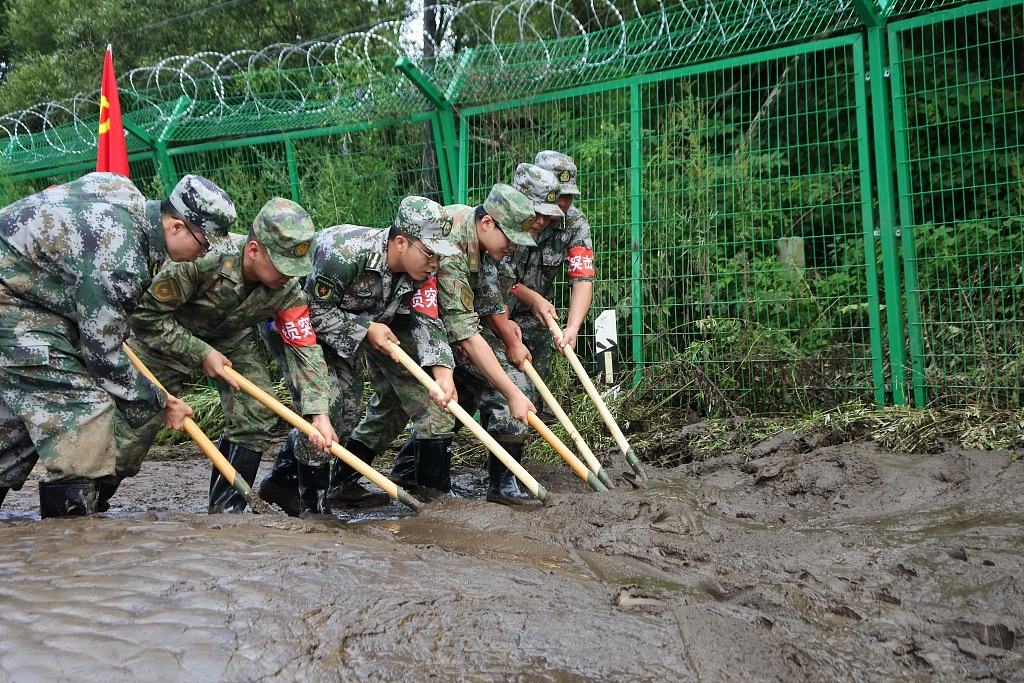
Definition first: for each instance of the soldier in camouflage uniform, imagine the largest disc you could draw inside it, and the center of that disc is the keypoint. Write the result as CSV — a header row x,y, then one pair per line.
x,y
369,287
492,230
541,187
74,261
204,314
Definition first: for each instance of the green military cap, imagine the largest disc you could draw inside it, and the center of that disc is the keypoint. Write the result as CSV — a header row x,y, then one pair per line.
x,y
203,205
562,166
541,187
427,221
285,229
513,213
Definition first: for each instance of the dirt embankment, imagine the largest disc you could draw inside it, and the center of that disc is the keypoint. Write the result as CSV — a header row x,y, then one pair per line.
x,y
787,561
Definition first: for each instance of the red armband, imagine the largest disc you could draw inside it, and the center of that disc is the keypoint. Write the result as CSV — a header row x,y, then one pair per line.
x,y
515,289
295,326
425,298
581,262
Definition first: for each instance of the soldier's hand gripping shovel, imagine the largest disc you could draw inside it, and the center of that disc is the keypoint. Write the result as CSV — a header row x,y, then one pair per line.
x,y
295,420
588,385
531,484
206,446
563,419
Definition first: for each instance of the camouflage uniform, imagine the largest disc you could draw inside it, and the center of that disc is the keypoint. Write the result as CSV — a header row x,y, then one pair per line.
x,y
467,284
193,308
74,261
541,186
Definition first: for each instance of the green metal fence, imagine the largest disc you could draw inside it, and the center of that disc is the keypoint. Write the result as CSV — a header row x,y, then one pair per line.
x,y
787,213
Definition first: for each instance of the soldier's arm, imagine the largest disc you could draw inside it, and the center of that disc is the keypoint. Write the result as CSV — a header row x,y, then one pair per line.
x,y
341,330
479,353
303,358
580,276
153,322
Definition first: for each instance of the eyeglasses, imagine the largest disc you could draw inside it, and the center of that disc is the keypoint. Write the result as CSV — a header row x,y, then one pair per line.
x,y
432,258
205,247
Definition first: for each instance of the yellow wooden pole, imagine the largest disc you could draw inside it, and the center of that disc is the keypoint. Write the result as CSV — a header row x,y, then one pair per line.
x,y
206,446
531,484
606,414
296,420
575,463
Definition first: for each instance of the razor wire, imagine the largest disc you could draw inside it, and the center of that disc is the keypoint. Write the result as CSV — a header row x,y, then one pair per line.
x,y
552,47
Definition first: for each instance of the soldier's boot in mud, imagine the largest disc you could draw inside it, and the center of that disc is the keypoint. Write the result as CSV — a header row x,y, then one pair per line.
x,y
223,496
404,471
281,486
75,497
313,483
434,468
345,488
503,486
105,490
3,494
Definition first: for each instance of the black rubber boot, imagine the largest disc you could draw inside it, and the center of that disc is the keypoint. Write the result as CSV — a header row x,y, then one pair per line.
x,y
503,486
74,497
281,486
223,497
345,487
105,490
313,483
434,468
3,494
404,471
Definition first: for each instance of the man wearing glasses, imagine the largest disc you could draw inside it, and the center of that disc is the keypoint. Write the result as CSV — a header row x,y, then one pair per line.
x,y
203,315
466,291
368,287
74,261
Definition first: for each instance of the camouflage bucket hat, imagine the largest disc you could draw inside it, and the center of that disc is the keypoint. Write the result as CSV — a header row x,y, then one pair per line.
x,y
563,167
285,229
540,186
203,205
427,221
513,213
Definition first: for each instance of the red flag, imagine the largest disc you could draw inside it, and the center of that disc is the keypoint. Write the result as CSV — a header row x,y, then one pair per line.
x,y
112,150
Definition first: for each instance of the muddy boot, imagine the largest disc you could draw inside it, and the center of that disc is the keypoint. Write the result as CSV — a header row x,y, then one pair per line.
x,y
105,490
313,483
75,497
281,486
345,488
404,471
503,486
223,497
434,468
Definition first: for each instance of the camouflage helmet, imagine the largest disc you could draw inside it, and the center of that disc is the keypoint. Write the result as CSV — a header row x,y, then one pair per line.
x,y
285,229
563,167
513,213
541,186
203,205
427,221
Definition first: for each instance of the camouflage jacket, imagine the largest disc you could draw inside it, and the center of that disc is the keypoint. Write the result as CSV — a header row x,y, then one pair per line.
x,y
82,254
468,285
190,306
563,240
351,286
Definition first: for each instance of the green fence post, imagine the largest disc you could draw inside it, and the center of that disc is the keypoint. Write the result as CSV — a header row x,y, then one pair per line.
x,y
888,225
445,112
293,170
168,173
636,232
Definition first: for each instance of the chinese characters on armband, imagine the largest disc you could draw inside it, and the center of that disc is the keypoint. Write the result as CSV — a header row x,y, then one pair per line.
x,y
295,326
425,298
581,262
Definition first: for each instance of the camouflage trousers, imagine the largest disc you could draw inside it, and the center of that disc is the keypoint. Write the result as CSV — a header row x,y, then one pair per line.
x,y
345,376
51,408
247,422
398,397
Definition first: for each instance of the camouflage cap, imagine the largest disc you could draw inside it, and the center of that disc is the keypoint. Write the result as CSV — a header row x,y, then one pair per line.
x,y
513,213
427,221
562,166
285,229
203,205
541,186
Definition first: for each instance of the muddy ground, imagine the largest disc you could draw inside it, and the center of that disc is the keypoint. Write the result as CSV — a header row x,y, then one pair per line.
x,y
784,562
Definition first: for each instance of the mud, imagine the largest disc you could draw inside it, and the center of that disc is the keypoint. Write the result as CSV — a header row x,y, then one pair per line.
x,y
779,563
